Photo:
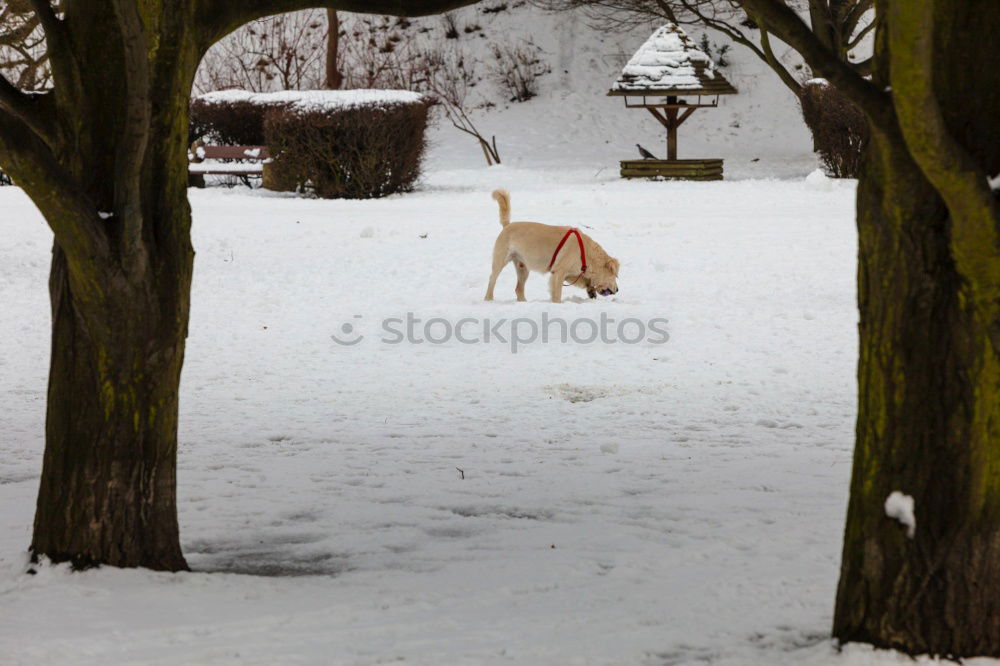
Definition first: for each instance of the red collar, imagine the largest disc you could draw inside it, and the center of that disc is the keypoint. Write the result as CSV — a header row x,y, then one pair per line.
x,y
583,254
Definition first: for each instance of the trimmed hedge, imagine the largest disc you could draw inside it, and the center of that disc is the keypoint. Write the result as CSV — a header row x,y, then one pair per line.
x,y
227,123
838,127
354,144
357,152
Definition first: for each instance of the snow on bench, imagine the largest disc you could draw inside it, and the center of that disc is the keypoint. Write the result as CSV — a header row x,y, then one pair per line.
x,y
204,160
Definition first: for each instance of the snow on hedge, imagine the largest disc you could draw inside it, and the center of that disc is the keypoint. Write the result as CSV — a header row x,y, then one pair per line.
x,y
666,60
315,100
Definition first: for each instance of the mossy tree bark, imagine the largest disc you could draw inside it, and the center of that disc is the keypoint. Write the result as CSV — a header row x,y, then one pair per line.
x,y
929,300
103,156
929,374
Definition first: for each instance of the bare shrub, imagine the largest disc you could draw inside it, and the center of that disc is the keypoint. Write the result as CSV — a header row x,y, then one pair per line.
x,y
450,78
450,26
717,52
377,56
516,70
282,52
838,128
359,152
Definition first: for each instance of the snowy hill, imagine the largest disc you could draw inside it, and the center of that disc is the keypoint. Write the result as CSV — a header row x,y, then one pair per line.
x,y
572,121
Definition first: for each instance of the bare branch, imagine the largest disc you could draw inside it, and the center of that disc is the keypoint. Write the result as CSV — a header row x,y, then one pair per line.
x,y
61,55
854,16
23,58
861,35
787,26
19,32
786,77
667,10
764,51
217,18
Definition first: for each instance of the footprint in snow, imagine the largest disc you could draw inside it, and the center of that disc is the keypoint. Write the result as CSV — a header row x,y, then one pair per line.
x,y
573,393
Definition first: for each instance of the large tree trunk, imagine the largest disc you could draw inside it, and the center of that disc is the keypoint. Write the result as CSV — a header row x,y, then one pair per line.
x,y
928,423
108,483
929,381
108,488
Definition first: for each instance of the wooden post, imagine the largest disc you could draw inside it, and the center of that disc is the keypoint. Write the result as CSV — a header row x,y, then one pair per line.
x,y
672,134
672,124
671,118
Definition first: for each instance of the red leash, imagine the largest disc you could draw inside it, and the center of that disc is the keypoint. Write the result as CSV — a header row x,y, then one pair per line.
x,y
583,254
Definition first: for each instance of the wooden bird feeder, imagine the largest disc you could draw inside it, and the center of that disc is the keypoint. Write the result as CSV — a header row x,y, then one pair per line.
x,y
668,65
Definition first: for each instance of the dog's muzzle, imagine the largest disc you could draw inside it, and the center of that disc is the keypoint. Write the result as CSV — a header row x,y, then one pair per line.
x,y
606,292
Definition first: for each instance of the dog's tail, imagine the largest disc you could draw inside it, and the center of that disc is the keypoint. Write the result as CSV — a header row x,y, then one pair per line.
x,y
503,198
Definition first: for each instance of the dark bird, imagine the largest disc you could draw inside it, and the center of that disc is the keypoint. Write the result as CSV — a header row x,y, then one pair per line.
x,y
646,155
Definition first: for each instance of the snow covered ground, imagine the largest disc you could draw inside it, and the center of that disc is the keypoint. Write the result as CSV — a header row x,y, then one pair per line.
x,y
671,503
448,503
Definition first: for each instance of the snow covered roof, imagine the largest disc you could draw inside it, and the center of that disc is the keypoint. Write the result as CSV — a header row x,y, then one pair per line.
x,y
315,100
670,63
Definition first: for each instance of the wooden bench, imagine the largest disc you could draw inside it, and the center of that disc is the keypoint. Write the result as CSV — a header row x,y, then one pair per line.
x,y
251,162
700,169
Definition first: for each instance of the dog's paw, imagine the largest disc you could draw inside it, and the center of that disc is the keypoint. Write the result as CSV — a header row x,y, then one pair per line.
x,y
592,293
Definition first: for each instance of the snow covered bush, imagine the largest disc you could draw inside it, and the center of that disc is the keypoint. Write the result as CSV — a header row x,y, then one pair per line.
x,y
355,144
838,128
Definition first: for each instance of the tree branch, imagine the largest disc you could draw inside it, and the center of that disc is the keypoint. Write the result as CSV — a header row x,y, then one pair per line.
x,y
787,26
132,147
764,52
62,58
217,18
783,73
667,10
853,17
975,223
46,15
25,108
861,35
70,213
20,32
822,24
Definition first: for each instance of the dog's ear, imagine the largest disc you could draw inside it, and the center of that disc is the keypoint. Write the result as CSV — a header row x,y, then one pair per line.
x,y
613,266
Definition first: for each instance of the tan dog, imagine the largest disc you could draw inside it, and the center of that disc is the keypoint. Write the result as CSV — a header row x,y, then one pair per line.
x,y
531,245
